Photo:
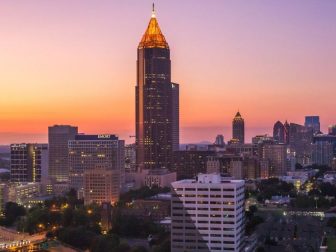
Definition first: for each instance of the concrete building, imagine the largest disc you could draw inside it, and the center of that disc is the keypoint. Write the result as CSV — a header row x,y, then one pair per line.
x,y
130,158
187,164
90,151
313,122
22,192
101,185
276,155
236,169
58,136
300,139
29,162
322,153
207,214
160,178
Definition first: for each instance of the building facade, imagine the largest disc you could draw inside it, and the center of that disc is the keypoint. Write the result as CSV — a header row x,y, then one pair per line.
x,y
207,214
88,152
279,132
157,102
101,185
58,136
187,164
29,162
313,122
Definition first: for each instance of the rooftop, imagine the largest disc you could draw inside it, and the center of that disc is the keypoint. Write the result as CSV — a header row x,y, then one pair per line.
x,y
153,37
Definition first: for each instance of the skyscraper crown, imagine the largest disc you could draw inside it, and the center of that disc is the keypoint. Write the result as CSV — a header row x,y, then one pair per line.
x,y
153,37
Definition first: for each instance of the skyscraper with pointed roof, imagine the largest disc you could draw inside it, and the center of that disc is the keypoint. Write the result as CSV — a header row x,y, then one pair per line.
x,y
238,128
157,101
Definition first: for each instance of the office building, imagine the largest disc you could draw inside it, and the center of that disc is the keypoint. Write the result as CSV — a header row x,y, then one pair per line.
x,y
58,136
238,128
207,214
326,138
276,157
322,153
159,178
29,162
157,102
286,128
87,152
130,158
279,132
101,185
313,123
332,130
300,139
187,164
219,140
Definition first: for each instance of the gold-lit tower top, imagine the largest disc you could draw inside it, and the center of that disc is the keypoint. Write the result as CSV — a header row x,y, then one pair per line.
x,y
153,37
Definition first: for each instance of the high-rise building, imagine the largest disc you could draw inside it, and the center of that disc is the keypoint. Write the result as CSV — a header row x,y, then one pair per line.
x,y
313,122
219,140
157,102
322,153
326,138
207,214
87,152
276,156
29,162
332,130
238,128
286,128
130,158
279,132
58,136
300,139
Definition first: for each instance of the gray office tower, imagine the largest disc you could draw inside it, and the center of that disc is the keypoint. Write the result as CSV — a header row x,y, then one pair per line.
x,y
313,122
58,136
92,152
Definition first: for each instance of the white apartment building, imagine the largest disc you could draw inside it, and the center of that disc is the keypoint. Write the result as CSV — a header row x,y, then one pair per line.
x,y
207,214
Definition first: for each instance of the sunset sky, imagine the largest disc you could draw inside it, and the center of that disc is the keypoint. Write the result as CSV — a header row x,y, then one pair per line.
x,y
74,62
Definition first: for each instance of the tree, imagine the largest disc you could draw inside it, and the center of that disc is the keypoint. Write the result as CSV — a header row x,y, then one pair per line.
x,y
12,212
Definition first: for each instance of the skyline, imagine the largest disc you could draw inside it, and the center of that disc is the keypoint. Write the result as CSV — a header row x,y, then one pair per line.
x,y
80,73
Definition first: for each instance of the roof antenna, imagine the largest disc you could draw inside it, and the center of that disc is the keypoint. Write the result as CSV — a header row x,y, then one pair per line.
x,y
153,11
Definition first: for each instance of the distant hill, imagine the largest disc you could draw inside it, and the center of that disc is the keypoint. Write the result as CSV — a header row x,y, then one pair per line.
x,y
4,149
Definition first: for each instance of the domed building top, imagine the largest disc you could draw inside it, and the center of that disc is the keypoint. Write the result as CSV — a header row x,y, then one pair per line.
x,y
153,37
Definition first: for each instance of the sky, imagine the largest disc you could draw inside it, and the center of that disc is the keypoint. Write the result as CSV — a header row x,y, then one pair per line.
x,y
74,62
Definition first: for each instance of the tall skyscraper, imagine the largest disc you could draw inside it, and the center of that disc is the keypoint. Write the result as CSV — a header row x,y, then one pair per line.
x,y
279,132
286,128
238,128
313,122
157,102
207,214
90,152
29,162
300,139
58,136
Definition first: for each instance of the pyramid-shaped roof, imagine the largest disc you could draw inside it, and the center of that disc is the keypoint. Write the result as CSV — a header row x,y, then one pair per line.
x,y
153,37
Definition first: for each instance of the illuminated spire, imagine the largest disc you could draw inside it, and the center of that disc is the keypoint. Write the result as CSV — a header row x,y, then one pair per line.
x,y
153,37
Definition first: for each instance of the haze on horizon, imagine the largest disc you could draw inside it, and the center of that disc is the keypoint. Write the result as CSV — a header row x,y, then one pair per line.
x,y
74,62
